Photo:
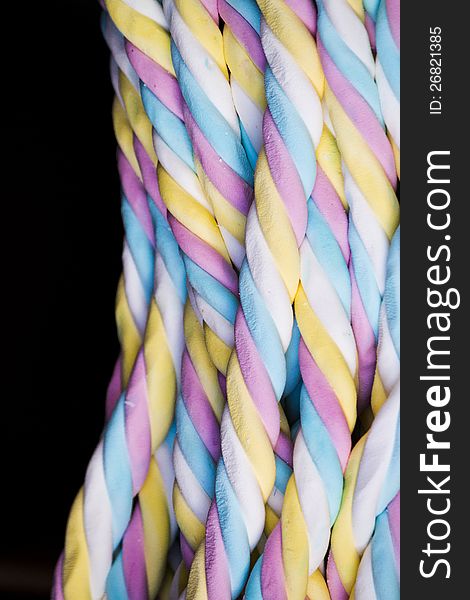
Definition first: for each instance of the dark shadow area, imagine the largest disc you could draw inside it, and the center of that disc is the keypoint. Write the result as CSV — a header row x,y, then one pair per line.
x,y
61,265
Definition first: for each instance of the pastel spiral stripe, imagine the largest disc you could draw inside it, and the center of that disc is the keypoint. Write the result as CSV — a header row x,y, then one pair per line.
x,y
283,459
292,266
136,284
252,119
370,19
328,397
213,286
140,420
220,157
378,577
130,338
388,70
268,283
246,62
138,569
199,406
372,475
198,438
388,350
198,56
369,170
375,487
196,456
143,546
154,499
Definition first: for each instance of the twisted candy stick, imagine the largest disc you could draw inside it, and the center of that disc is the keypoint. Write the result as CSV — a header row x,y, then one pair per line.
x,y
137,570
190,218
212,280
257,369
221,160
371,7
371,478
328,398
375,486
283,457
368,167
388,70
198,444
198,57
246,62
283,473
372,482
138,425
193,453
139,260
283,460
130,338
378,577
372,475
136,284
136,287
388,352
190,500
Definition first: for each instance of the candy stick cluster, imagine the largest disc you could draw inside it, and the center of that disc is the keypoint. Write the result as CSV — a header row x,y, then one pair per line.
x,y
258,153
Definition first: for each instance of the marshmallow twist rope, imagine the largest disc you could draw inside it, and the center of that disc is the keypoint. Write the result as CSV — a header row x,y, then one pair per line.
x,y
388,352
378,577
192,454
136,428
165,109
372,478
370,19
136,284
210,274
221,161
257,370
369,170
283,452
246,62
193,492
283,458
275,501
133,199
372,475
139,125
137,570
388,70
328,398
197,50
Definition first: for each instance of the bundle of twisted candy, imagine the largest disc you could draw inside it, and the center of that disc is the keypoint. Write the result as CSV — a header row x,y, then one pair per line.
x,y
251,444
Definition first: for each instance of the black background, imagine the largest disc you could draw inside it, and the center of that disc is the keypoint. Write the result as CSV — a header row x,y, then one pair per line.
x,y
62,237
